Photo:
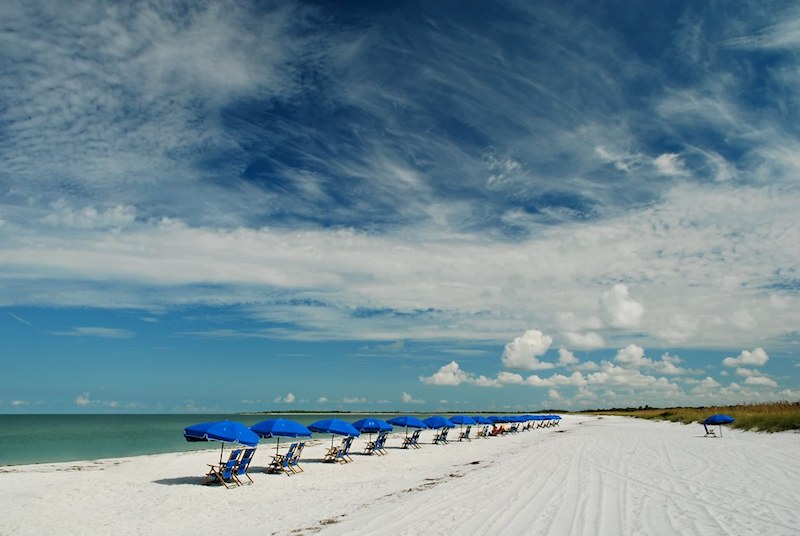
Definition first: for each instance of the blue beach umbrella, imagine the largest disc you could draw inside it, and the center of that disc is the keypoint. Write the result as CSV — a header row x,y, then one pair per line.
x,y
334,427
480,419
718,419
462,420
437,421
223,431
280,428
495,419
371,425
409,421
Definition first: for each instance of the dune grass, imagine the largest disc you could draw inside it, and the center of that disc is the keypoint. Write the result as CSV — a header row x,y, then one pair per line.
x,y
762,417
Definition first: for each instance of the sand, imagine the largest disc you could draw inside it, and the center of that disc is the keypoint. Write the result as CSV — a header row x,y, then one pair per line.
x,y
589,476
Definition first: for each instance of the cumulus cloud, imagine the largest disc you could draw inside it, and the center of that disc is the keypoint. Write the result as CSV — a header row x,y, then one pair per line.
x,y
450,374
83,400
524,351
354,400
761,381
322,400
567,358
620,310
632,356
584,341
408,399
288,399
757,358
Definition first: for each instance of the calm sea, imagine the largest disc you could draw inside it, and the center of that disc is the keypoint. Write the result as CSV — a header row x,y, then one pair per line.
x,y
28,439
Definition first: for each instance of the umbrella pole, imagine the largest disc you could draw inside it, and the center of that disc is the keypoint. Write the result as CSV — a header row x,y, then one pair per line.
x,y
220,452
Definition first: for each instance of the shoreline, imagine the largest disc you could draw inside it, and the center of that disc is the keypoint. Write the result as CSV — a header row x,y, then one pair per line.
x,y
591,475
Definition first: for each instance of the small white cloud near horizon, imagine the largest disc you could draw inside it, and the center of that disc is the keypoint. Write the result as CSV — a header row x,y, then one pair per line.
x,y
408,399
288,399
756,358
322,400
620,310
524,351
83,399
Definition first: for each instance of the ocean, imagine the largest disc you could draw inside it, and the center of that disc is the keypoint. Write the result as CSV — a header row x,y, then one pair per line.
x,y
26,439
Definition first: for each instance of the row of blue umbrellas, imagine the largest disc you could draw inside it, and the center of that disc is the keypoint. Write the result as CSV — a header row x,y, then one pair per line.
x,y
235,432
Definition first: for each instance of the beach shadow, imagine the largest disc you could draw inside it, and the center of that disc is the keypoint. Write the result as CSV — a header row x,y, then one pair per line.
x,y
181,481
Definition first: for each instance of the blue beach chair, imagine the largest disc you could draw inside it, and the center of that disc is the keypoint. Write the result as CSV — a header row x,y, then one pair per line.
x,y
243,465
294,463
281,462
224,473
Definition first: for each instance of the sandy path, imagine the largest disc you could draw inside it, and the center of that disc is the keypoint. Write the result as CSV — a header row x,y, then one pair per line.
x,y
590,476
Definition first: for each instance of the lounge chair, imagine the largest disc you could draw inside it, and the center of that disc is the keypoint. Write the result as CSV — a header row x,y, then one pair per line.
x,y
341,453
294,462
465,434
412,440
380,443
281,462
496,431
224,473
437,437
710,432
377,446
345,454
244,464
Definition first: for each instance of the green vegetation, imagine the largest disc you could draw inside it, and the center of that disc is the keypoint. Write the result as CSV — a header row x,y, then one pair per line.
x,y
764,417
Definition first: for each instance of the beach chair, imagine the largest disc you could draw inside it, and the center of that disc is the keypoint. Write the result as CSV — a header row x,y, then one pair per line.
x,y
380,443
223,473
514,428
294,462
496,431
244,464
345,454
437,437
710,432
412,441
281,462
372,446
465,434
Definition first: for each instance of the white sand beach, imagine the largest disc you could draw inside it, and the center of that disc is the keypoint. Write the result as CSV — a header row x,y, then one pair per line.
x,y
589,476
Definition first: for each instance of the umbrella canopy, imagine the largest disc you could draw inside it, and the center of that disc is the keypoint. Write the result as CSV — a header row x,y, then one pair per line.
x,y
480,419
334,426
280,428
409,421
225,431
495,419
371,425
462,419
719,418
437,421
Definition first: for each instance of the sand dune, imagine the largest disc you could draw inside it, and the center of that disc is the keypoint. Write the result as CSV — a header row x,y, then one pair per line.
x,y
589,476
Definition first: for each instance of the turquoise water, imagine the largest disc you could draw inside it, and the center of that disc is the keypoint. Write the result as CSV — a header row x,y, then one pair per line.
x,y
28,439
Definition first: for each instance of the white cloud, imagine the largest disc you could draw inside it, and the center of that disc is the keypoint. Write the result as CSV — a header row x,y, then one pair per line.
x,y
761,381
322,400
552,394
620,309
288,399
669,164
584,341
567,358
757,357
504,377
83,400
450,374
17,403
408,399
524,351
632,356
354,400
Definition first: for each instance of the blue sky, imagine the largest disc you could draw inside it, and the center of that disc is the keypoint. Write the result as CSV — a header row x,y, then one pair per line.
x,y
398,206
